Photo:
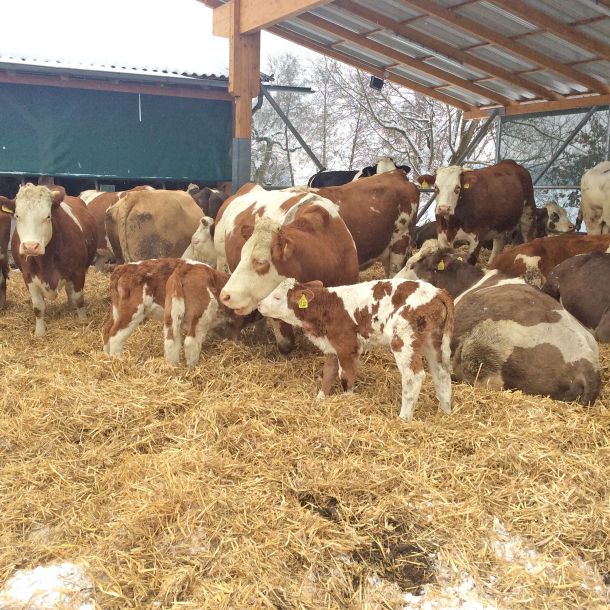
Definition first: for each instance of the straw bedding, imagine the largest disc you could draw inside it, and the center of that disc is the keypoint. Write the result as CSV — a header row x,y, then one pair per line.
x,y
227,486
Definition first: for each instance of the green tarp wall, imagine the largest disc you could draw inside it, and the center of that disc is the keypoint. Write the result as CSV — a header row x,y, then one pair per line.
x,y
78,132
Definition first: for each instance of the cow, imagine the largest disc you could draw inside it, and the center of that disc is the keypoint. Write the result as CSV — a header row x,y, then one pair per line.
x,y
202,248
97,203
53,245
489,202
208,199
595,199
337,178
551,219
151,224
192,308
509,335
581,285
534,260
7,207
413,319
300,235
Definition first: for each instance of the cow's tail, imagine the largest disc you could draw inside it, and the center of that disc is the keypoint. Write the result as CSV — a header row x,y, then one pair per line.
x,y
125,205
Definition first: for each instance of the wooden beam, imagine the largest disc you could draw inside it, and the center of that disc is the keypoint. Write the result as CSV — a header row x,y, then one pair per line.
x,y
550,24
435,45
405,60
569,103
491,36
256,15
370,69
121,87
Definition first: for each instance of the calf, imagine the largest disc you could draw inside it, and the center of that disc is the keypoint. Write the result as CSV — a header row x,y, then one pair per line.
x,y
595,199
7,206
413,318
509,335
535,260
201,248
53,245
192,308
581,284
483,203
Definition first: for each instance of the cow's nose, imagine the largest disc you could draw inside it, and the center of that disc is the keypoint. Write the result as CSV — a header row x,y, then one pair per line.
x,y
225,297
31,247
443,209
570,227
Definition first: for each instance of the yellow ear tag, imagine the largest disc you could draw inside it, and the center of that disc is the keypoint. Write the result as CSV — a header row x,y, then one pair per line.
x,y
425,184
467,185
460,258
303,302
7,210
441,266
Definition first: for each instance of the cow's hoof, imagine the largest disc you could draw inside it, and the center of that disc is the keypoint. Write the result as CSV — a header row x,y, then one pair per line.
x,y
285,348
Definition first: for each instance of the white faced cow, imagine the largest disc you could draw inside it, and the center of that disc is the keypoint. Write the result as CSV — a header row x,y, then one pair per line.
x,y
53,244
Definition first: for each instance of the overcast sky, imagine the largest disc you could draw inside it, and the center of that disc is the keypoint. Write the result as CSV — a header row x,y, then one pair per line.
x,y
164,34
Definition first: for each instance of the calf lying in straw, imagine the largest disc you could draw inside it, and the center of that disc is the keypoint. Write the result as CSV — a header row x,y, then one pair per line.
x,y
192,308
413,318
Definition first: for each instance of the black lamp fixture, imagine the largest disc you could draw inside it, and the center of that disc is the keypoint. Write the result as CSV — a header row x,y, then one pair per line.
x,y
376,83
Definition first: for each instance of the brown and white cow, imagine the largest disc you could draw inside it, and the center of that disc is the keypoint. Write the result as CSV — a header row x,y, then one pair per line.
x,y
582,285
7,207
509,335
298,235
535,260
595,198
413,319
201,248
151,224
491,202
192,310
97,203
53,245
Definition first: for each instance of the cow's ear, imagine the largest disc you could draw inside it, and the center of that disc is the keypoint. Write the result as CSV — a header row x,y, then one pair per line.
x,y
315,216
57,196
206,221
7,205
282,247
367,172
469,179
314,284
246,231
426,180
405,168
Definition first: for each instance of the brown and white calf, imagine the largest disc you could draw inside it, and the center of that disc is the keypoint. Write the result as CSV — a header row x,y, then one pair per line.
x,y
413,319
582,285
535,260
53,245
509,335
479,204
7,207
192,310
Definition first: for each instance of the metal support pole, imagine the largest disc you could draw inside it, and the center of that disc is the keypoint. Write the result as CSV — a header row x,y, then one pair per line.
x,y
292,128
608,137
499,125
566,142
473,144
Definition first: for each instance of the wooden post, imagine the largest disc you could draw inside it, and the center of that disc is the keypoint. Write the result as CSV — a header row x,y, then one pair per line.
x,y
244,84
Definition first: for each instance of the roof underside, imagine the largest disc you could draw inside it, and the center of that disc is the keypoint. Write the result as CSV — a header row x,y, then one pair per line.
x,y
519,55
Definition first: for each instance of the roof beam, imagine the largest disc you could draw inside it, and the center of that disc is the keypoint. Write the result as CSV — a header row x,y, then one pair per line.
x,y
431,8
255,15
553,26
568,103
411,33
374,70
403,59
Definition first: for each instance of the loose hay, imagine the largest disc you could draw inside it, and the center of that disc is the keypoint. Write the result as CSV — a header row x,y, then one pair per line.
x,y
228,487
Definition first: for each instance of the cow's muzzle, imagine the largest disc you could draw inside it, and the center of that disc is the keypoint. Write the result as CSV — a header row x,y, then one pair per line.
x,y
31,248
443,210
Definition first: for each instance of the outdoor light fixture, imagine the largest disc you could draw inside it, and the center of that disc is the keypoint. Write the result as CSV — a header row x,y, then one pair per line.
x,y
376,83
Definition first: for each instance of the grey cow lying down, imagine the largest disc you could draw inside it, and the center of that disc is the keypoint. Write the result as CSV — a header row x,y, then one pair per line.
x,y
509,335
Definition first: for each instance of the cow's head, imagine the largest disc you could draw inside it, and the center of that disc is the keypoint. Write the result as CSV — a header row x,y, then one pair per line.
x,y
256,275
33,208
441,267
448,184
202,241
385,164
287,298
554,220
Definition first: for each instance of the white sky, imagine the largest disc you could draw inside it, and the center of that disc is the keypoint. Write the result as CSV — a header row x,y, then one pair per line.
x,y
164,34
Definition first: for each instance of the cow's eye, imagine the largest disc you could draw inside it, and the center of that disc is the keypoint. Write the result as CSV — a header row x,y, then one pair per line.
x,y
276,298
435,188
555,217
457,189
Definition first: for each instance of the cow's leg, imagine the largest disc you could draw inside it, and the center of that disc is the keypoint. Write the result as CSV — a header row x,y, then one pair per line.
x,y
602,332
172,331
3,276
411,369
284,336
38,306
348,363
499,243
329,374
437,352
443,240
101,258
527,223
400,244
76,297
121,328
198,331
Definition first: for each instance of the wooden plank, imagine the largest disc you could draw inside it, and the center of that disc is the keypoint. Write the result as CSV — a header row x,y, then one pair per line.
x,y
491,36
435,45
120,87
242,117
553,26
568,103
256,15
405,60
370,69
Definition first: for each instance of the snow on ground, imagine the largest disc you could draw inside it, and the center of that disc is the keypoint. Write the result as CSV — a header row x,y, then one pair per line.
x,y
59,586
